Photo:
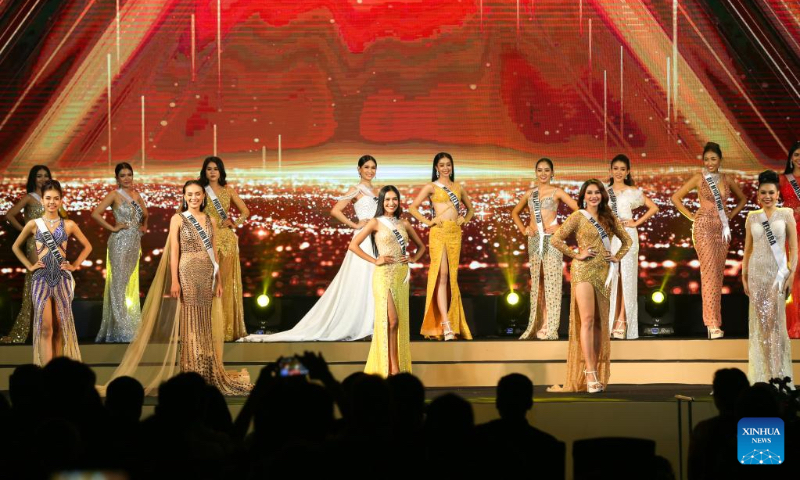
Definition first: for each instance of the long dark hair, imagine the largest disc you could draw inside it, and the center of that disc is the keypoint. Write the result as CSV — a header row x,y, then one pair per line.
x,y
436,159
789,167
379,212
604,213
221,166
628,180
55,185
184,205
122,166
31,185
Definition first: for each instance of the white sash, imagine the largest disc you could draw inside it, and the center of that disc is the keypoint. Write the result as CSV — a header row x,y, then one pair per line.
x,y
612,197
778,250
206,243
39,198
217,204
537,215
50,242
726,229
792,182
133,202
453,197
363,190
400,241
612,268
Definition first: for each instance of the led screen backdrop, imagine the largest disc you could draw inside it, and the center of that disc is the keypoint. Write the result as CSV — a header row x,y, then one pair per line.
x,y
291,93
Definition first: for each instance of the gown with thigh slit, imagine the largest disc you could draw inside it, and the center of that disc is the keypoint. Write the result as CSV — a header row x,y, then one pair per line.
x,y
712,250
791,200
121,305
594,271
551,261
769,347
53,283
389,281
627,200
444,239
22,326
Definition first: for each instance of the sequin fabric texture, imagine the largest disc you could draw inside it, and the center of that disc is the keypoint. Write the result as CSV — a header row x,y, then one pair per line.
x,y
790,200
627,201
712,251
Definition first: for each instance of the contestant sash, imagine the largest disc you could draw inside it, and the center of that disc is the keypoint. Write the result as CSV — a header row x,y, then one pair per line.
x,y
400,241
537,215
217,204
39,198
612,268
133,202
366,191
612,197
777,250
453,197
209,246
792,182
712,184
50,243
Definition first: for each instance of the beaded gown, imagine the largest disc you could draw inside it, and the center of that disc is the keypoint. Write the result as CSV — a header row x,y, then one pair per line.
x,y
791,200
444,239
593,270
121,305
388,281
22,326
552,263
54,284
231,309
346,310
627,200
769,346
712,250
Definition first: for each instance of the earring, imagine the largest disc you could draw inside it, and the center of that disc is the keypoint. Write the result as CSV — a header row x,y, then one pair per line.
x,y
184,205
437,173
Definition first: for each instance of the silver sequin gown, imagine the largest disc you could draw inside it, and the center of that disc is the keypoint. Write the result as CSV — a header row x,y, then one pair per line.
x,y
121,309
769,348
627,201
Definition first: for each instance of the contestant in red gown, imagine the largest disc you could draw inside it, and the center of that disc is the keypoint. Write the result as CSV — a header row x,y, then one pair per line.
x,y
791,200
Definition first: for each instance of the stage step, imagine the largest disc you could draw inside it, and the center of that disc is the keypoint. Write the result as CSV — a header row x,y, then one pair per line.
x,y
469,364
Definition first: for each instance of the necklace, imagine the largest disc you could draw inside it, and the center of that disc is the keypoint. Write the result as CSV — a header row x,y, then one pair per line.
x,y
52,222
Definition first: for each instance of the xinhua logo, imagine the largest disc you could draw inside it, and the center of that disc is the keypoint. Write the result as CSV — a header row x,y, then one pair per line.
x,y
760,441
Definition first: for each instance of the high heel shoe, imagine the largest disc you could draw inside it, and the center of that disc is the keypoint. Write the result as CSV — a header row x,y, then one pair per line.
x,y
542,334
715,332
593,387
448,332
619,332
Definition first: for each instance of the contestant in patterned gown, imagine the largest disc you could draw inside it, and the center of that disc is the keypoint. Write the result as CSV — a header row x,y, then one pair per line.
x,y
213,179
345,311
52,286
593,267
768,277
547,263
790,192
390,352
623,313
31,207
444,313
711,233
121,304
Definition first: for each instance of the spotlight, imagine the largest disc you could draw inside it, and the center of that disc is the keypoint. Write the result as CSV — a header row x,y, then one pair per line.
x,y
512,298
263,300
660,319
658,297
512,314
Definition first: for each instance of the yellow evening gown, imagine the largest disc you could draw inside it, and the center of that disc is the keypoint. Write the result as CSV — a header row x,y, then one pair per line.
x,y
389,280
594,271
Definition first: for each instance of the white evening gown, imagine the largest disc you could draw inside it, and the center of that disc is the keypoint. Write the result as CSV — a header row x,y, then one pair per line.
x,y
627,201
346,311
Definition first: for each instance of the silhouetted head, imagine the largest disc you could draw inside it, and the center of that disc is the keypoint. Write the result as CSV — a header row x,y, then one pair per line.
x,y
409,399
449,416
514,396
124,398
26,386
182,398
728,384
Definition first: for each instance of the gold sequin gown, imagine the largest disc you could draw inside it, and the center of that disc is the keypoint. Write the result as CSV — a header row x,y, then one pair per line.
x,y
770,349
232,309
22,326
196,276
594,271
712,251
551,261
389,281
444,239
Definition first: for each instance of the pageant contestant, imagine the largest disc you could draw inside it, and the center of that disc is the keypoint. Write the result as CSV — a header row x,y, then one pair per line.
x,y
711,232
444,313
768,277
593,268
790,192
31,207
345,311
52,286
121,309
623,199
390,352
176,317
546,262
219,196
